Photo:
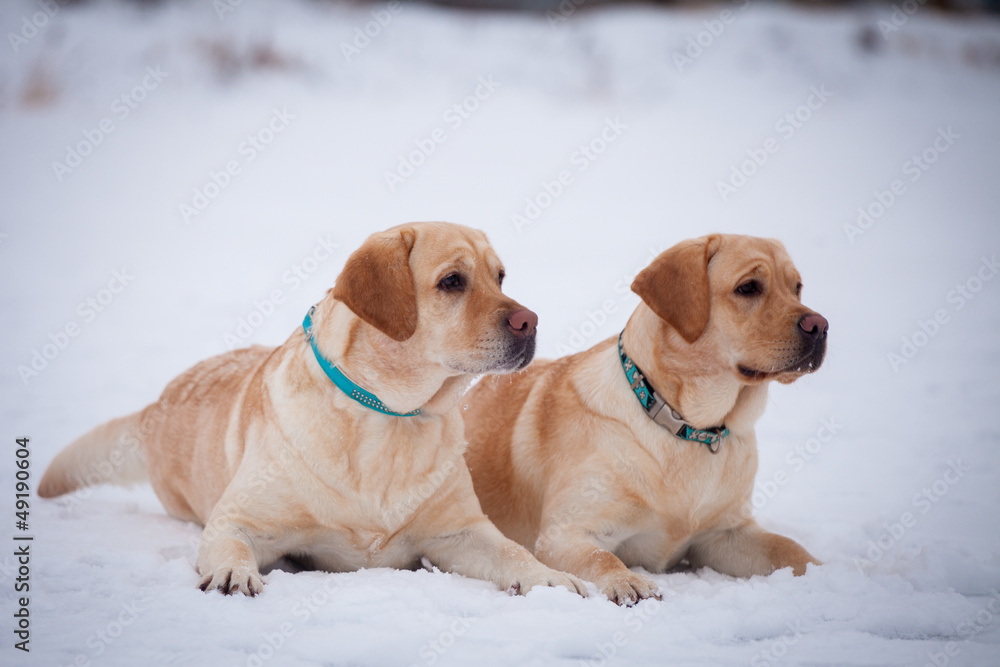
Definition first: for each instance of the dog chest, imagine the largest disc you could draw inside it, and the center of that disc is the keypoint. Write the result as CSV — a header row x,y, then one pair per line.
x,y
370,524
696,491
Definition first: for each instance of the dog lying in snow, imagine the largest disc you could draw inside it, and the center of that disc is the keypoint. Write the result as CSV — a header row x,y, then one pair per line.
x,y
343,446
641,450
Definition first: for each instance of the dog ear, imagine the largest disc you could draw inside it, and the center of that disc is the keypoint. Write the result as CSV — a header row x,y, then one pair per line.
x,y
377,284
675,285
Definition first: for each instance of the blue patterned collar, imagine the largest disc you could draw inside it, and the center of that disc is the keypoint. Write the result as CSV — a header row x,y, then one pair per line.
x,y
344,383
659,411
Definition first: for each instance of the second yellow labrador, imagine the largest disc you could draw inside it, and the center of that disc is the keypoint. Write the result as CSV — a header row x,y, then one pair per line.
x,y
641,450
343,446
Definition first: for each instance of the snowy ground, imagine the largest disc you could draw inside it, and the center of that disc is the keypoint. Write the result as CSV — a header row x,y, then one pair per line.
x,y
886,468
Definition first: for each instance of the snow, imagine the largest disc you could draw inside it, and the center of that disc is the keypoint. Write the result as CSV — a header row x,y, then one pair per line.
x,y
857,455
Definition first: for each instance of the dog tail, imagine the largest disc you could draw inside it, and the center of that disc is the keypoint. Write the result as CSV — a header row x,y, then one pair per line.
x,y
108,454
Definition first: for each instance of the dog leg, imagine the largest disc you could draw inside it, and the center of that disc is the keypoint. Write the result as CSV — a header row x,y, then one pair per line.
x,y
226,560
579,554
480,550
748,550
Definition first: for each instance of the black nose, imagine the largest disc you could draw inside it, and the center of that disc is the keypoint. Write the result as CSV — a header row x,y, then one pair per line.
x,y
814,325
523,322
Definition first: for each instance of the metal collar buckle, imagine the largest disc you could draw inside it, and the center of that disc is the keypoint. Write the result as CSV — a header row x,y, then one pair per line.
x,y
668,418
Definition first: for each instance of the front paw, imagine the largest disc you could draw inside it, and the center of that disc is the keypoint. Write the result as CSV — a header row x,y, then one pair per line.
x,y
626,588
229,580
544,576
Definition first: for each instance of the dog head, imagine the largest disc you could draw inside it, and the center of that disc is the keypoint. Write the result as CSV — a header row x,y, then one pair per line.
x,y
738,299
435,288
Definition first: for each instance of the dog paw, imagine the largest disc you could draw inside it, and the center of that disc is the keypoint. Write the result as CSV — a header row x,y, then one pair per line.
x,y
548,577
229,580
628,588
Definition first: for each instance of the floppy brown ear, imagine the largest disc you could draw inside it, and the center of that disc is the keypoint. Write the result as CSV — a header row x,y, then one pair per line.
x,y
377,284
675,285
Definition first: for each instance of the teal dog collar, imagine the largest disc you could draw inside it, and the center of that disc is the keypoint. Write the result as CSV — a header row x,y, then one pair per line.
x,y
344,383
659,411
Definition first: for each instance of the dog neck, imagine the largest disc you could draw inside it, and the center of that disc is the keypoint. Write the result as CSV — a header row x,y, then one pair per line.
x,y
691,380
385,367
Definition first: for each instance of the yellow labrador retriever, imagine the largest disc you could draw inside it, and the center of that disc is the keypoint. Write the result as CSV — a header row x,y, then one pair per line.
x,y
641,450
343,446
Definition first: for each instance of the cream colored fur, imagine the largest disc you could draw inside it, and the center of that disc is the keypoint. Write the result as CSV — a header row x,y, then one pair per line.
x,y
260,447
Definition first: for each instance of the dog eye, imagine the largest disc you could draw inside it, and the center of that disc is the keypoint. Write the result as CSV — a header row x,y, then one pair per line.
x,y
748,288
798,290
452,282
501,277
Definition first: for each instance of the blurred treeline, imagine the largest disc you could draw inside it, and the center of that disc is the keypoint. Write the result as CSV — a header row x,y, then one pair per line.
x,y
905,6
